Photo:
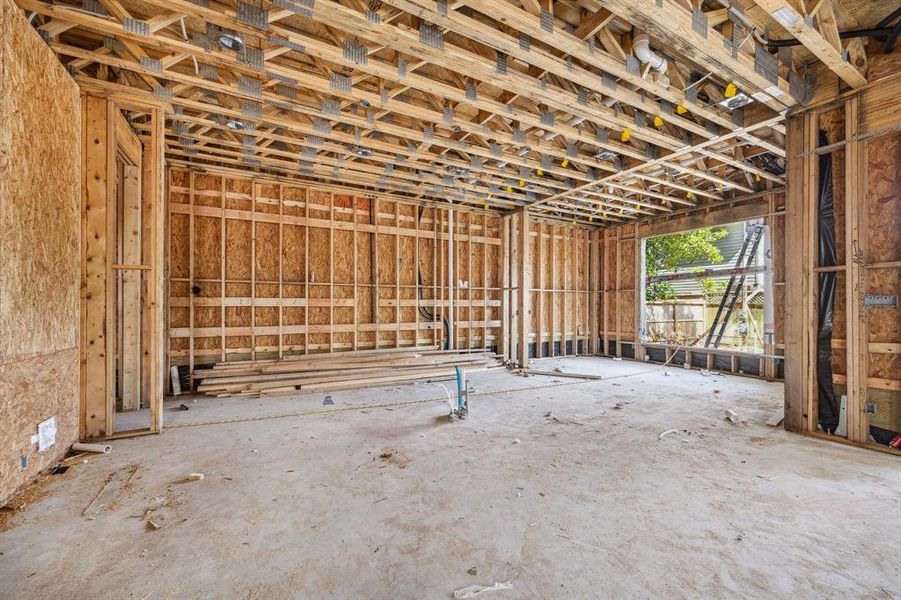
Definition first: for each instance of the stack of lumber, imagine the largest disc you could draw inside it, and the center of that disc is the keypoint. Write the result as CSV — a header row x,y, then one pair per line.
x,y
330,372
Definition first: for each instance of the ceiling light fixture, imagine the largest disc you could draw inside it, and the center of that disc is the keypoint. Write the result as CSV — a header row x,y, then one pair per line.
x,y
231,41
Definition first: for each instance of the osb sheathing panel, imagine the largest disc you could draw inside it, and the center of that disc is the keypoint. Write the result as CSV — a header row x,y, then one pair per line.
x,y
39,249
31,391
883,194
883,246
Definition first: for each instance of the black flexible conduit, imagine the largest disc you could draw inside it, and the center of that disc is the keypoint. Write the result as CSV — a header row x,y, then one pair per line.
x,y
423,311
884,32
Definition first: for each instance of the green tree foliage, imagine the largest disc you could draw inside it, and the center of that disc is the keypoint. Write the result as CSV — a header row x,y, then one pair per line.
x,y
713,289
666,252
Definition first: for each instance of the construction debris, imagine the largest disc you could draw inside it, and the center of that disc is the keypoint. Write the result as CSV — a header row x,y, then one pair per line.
x,y
95,448
558,373
477,590
666,433
329,372
776,419
733,417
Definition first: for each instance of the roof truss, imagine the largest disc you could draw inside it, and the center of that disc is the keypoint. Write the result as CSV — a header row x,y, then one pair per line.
x,y
485,104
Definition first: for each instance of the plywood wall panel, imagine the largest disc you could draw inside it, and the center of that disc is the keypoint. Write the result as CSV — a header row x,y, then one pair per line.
x,y
39,250
883,193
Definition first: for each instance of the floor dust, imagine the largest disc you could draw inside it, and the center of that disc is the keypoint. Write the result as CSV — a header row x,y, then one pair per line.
x,y
563,490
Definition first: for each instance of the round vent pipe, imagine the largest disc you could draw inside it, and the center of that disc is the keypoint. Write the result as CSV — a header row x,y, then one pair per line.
x,y
641,46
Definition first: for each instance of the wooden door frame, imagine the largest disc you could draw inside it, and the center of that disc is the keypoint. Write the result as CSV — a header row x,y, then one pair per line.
x,y
106,133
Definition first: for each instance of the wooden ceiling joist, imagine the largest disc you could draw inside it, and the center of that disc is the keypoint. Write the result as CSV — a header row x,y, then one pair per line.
x,y
471,115
824,43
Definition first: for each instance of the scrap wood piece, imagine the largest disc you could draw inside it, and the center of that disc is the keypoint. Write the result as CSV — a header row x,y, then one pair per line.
x,y
776,419
329,372
477,590
113,491
733,417
562,374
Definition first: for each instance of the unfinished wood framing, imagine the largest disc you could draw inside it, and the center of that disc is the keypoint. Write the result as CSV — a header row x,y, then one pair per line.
x,y
620,298
260,268
505,112
266,180
122,258
863,138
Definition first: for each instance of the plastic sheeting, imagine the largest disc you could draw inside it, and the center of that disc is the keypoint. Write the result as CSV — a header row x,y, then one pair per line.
x,y
828,410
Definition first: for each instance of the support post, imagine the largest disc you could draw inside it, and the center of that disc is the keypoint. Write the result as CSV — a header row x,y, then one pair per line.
x,y
856,274
451,284
525,285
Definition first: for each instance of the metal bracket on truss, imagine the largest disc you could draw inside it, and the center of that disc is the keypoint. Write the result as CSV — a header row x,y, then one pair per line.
x,y
358,53
152,64
632,65
252,15
765,64
253,57
608,80
501,63
253,110
250,86
699,21
525,43
546,117
286,91
136,26
304,8
93,6
431,36
322,127
339,83
546,20
163,92
330,106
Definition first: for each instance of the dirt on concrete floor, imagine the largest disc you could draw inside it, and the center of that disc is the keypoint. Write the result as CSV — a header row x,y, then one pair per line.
x,y
563,488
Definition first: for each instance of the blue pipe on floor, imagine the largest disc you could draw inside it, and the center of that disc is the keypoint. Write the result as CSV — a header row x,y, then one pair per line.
x,y
459,390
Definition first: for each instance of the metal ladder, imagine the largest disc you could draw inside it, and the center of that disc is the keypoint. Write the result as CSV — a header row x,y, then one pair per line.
x,y
753,235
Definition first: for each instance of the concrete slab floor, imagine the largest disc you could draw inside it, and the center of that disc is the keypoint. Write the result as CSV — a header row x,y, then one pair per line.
x,y
396,502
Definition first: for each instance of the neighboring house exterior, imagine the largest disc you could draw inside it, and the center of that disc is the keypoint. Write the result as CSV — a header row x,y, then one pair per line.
x,y
690,315
729,247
